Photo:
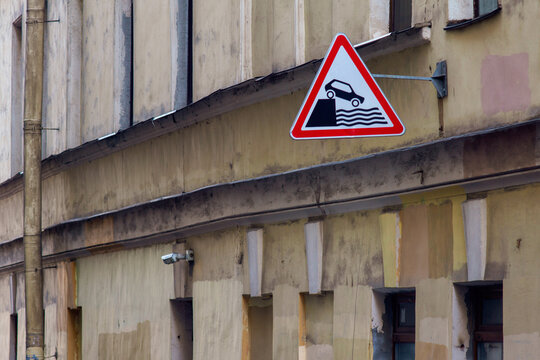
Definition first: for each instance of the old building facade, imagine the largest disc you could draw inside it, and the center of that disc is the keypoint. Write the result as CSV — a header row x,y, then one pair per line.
x,y
168,129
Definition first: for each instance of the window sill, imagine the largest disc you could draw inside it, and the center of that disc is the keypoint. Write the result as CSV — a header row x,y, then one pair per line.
x,y
466,23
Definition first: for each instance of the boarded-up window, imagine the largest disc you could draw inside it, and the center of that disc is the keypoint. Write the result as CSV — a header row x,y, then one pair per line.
x,y
182,329
74,334
400,15
260,325
316,333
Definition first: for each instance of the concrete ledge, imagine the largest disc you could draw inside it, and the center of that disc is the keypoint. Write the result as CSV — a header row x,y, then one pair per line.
x,y
318,191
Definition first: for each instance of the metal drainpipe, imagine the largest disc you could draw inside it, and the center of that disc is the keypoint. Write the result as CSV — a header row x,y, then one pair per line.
x,y
33,93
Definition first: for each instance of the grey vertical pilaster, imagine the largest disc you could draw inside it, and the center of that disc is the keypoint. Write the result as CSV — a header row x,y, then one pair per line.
x,y
314,252
255,250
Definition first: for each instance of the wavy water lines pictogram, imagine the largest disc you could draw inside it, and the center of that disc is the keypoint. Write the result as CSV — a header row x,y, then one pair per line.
x,y
366,117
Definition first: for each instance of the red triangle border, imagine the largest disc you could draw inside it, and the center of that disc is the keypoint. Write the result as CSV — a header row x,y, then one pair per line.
x,y
296,131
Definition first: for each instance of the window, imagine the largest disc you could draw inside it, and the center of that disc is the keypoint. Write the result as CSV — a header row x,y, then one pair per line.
x,y
393,324
462,13
483,7
478,317
404,326
400,15
488,320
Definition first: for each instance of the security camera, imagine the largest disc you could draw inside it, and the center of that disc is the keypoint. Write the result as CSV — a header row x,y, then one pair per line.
x,y
174,257
170,258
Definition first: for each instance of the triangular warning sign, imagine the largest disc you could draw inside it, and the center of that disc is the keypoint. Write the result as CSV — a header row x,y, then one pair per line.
x,y
344,100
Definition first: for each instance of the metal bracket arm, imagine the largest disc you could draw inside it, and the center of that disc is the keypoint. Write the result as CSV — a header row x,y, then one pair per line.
x,y
439,79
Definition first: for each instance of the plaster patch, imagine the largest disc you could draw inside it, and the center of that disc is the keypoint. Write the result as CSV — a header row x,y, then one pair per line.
x,y
320,352
505,83
431,351
522,346
434,331
128,345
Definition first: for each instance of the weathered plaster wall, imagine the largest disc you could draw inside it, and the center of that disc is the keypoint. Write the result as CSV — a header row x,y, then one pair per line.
x,y
352,322
217,294
319,326
217,318
273,35
5,306
324,19
216,46
160,58
491,86
513,233
106,31
285,322
422,240
10,90
124,298
473,78
98,71
11,216
352,244
253,141
352,233
260,328
521,317
284,258
62,76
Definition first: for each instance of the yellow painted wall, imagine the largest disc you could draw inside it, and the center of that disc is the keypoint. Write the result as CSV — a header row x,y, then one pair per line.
x,y
513,233
273,36
4,317
124,298
324,19
216,46
217,319
98,71
433,319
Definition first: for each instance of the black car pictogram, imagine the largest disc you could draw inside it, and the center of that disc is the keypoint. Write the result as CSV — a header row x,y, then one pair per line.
x,y
343,91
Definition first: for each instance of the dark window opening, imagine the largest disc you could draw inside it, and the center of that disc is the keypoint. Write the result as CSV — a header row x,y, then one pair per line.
x,y
13,329
131,39
74,332
404,326
17,95
488,322
182,329
400,15
190,54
